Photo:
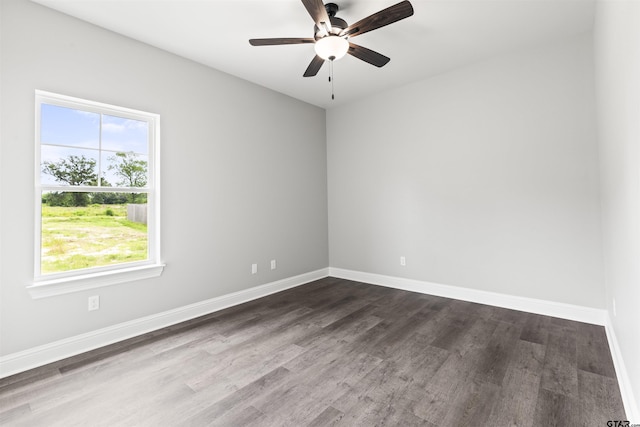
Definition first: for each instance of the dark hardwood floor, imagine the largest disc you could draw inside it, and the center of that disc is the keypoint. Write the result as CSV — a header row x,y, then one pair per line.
x,y
333,352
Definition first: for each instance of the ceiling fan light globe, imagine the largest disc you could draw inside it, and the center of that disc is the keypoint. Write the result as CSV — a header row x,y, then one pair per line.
x,y
331,47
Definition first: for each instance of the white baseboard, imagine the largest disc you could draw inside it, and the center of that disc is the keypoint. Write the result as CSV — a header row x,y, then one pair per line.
x,y
48,353
548,308
630,403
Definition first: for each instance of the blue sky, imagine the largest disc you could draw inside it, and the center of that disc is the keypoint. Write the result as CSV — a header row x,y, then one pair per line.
x,y
65,131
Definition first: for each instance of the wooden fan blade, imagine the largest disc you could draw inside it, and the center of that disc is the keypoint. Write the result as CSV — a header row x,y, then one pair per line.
x,y
380,19
318,12
278,41
368,55
314,67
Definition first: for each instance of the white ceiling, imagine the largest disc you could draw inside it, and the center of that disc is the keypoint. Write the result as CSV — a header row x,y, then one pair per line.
x,y
441,35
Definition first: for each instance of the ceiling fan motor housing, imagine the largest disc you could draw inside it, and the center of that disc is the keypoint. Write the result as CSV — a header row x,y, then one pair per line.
x,y
331,34
337,24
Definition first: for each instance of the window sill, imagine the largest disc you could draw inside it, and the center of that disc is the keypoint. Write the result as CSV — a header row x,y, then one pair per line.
x,y
48,288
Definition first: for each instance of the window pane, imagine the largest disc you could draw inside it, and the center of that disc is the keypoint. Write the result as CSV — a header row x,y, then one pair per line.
x,y
66,126
106,231
119,134
125,169
68,166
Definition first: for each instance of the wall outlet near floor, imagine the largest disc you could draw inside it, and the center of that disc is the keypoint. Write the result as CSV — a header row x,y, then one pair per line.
x,y
94,302
254,268
273,264
403,261
615,314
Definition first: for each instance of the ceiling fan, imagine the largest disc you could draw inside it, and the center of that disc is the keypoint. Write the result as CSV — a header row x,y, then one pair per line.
x,y
331,34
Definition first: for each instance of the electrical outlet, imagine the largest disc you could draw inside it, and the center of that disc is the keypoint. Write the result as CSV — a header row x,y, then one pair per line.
x,y
254,268
94,302
615,314
273,264
403,261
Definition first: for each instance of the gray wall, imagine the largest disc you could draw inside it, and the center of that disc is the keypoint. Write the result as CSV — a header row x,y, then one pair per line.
x,y
617,42
252,161
485,177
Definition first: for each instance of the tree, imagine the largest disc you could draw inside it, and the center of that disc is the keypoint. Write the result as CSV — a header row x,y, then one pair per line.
x,y
109,198
131,171
75,171
57,198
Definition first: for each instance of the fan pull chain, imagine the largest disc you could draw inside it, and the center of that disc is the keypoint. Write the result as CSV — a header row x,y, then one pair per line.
x,y
331,79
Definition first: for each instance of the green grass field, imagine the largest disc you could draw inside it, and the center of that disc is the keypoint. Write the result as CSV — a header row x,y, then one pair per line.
x,y
92,236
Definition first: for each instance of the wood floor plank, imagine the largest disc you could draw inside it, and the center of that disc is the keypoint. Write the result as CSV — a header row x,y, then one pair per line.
x,y
329,417
375,413
385,384
453,380
535,328
560,371
236,401
229,376
516,403
39,375
9,414
398,336
556,410
246,417
451,331
348,327
389,382
593,350
599,399
498,352
333,352
305,400
562,326
421,367
501,314
74,384
476,337
407,302
271,333
473,407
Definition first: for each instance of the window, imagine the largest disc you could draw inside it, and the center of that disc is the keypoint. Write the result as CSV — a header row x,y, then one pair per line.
x,y
97,194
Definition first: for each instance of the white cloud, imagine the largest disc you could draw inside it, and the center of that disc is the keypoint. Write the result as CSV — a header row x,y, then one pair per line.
x,y
119,125
113,127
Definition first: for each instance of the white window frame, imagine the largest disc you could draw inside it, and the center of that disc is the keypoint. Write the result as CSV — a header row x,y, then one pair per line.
x,y
78,280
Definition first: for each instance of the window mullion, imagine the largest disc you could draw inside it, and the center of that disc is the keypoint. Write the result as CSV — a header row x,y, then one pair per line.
x,y
90,189
100,152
